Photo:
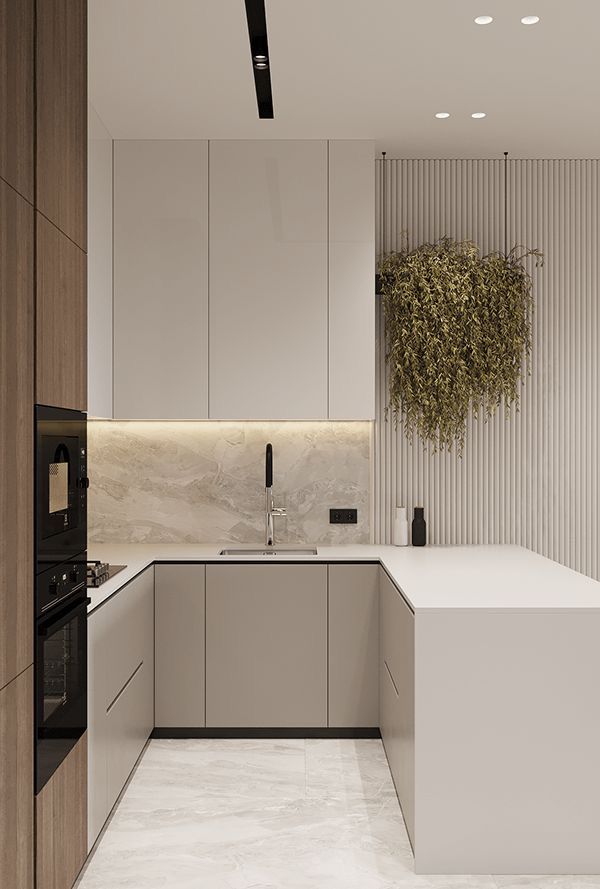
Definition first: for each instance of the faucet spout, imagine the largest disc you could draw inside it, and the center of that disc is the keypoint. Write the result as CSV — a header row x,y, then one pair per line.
x,y
271,511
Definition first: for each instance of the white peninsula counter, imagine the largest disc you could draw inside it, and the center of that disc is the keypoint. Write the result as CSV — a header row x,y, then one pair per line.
x,y
489,706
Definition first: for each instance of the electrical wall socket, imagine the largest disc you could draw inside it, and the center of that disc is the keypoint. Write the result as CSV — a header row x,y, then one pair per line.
x,y
343,516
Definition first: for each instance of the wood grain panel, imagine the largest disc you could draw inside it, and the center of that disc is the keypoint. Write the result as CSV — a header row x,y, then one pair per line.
x,y
16,783
16,433
61,822
16,94
61,319
61,78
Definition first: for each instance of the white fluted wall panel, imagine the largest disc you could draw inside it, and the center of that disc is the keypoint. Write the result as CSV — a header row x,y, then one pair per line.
x,y
531,478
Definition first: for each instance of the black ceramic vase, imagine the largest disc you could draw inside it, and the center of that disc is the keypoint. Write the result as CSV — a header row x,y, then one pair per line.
x,y
419,528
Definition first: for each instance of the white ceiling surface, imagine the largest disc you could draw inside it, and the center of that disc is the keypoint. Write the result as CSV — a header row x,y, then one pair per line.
x,y
355,69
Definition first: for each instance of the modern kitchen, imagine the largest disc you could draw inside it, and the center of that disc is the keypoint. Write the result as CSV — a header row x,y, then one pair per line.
x,y
300,444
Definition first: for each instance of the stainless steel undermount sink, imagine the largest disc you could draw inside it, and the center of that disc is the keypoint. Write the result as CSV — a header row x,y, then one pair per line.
x,y
271,551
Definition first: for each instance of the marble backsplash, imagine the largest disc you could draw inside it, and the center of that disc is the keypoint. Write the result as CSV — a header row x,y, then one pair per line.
x,y
195,482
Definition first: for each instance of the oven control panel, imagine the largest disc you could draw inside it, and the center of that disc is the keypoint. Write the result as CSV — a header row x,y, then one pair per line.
x,y
60,581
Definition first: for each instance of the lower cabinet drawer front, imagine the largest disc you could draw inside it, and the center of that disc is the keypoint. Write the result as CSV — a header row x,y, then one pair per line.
x,y
396,619
130,637
130,721
399,746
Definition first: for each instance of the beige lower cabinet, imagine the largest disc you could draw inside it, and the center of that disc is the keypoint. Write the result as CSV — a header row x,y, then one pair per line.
x,y
353,645
266,646
16,782
61,822
397,693
120,692
180,603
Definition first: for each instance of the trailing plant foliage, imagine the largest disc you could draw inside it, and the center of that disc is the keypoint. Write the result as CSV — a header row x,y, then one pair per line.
x,y
458,334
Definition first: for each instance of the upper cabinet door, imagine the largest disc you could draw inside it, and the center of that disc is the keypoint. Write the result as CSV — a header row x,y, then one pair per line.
x,y
61,75
100,268
351,280
16,435
16,95
161,280
60,319
268,280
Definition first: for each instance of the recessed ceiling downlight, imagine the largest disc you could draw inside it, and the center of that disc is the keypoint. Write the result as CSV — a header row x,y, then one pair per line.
x,y
484,20
442,115
530,19
478,115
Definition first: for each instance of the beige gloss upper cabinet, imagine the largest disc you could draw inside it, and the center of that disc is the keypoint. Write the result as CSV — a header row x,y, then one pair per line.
x,y
268,280
266,646
180,601
353,628
161,280
351,271
61,105
100,268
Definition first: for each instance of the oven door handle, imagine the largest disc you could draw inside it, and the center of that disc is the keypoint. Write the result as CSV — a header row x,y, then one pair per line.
x,y
62,616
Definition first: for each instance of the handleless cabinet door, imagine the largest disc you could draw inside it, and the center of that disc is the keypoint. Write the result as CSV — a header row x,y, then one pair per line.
x,y
266,646
61,822
61,103
353,646
397,694
16,434
180,606
268,280
161,280
16,783
61,319
129,725
100,268
16,94
351,272
120,692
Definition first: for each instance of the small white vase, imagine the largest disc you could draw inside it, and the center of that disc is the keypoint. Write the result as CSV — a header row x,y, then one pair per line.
x,y
400,529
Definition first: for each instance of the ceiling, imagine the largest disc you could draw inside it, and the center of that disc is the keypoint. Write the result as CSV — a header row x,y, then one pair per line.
x,y
355,69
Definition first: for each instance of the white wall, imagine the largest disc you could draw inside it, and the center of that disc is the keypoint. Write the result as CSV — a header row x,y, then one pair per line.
x,y
532,479
100,271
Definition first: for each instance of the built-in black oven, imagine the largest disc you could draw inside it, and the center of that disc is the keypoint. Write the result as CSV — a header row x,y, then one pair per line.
x,y
60,683
60,486
61,601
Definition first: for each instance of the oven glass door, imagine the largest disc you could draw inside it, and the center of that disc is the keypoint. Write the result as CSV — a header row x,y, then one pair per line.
x,y
61,686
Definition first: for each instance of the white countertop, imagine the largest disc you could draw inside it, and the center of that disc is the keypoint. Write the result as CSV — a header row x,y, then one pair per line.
x,y
499,577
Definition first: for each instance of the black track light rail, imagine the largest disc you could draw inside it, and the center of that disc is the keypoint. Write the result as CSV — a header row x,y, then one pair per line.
x,y
259,50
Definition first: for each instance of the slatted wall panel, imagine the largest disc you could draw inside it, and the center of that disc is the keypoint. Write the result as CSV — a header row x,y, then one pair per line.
x,y
532,478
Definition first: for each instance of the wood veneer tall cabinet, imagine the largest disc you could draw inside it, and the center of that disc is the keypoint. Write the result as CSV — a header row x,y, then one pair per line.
x,y
16,94
16,434
16,783
61,822
61,115
61,203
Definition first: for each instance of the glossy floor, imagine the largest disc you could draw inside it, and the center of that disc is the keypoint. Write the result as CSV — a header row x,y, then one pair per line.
x,y
293,814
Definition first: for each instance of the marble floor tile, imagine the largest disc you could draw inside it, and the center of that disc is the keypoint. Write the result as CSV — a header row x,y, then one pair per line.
x,y
290,814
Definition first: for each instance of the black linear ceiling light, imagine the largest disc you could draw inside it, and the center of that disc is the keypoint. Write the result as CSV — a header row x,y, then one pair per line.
x,y
259,48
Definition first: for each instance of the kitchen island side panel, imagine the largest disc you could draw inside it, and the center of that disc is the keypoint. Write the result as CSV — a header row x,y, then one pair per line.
x,y
507,739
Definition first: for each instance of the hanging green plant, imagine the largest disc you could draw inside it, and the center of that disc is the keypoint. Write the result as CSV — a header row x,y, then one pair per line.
x,y
458,335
